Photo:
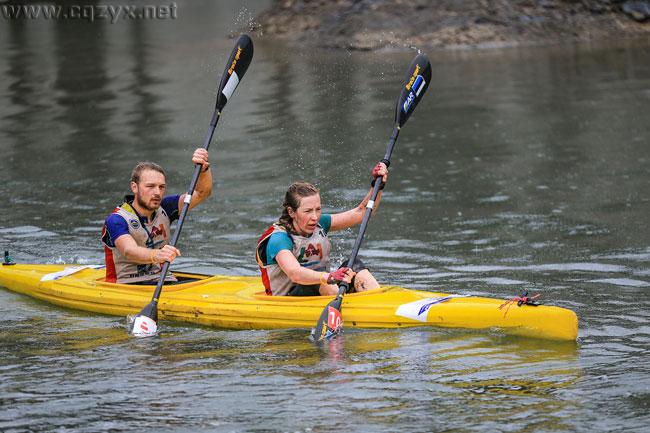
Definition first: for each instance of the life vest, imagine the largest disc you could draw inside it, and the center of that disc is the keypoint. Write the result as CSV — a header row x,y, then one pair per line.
x,y
154,234
312,252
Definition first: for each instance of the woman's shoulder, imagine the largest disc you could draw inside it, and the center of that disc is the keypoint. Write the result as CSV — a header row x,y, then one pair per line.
x,y
325,221
280,237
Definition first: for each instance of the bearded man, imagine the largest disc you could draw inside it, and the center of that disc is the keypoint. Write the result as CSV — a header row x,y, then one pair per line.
x,y
136,235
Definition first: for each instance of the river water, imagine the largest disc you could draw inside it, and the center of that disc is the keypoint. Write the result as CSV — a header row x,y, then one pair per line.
x,y
522,169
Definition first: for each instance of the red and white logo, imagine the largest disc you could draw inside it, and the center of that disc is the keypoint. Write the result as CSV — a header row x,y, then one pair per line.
x,y
334,320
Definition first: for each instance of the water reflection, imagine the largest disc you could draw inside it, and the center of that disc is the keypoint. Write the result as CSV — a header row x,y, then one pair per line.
x,y
82,92
145,117
26,107
522,169
20,89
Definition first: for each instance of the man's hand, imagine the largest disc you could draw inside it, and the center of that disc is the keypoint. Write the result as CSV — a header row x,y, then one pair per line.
x,y
200,156
164,254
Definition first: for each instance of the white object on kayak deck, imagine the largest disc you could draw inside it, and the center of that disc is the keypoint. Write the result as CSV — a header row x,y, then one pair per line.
x,y
68,271
144,326
418,310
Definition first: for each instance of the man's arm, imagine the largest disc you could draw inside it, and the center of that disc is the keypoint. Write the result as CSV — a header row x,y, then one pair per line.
x,y
127,246
204,185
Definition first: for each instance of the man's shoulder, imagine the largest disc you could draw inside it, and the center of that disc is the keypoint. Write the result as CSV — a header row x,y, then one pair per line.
x,y
115,220
114,216
115,226
170,205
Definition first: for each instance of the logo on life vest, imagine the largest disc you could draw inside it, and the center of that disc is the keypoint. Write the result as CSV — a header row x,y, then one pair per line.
x,y
310,251
159,231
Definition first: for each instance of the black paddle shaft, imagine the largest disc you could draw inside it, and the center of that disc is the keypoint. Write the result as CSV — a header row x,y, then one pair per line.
x,y
186,207
417,80
321,330
238,62
343,286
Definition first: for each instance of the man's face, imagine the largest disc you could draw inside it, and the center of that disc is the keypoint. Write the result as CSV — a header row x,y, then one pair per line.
x,y
150,191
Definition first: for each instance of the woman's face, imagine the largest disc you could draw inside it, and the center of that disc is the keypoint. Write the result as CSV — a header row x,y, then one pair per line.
x,y
306,217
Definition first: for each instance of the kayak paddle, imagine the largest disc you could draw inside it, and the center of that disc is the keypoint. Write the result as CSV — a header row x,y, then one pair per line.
x,y
144,324
417,80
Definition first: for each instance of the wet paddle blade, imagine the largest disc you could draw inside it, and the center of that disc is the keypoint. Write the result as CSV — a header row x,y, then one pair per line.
x,y
417,82
236,67
329,323
144,324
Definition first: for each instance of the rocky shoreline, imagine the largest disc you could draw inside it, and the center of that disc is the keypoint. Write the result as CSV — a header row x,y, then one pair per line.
x,y
400,24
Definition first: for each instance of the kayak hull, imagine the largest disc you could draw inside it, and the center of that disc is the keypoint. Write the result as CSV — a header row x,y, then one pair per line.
x,y
237,302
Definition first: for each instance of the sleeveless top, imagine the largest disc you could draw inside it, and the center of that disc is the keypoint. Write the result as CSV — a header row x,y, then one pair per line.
x,y
154,234
312,252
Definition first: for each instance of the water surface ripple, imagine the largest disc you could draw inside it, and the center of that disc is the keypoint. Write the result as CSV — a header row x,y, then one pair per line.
x,y
521,170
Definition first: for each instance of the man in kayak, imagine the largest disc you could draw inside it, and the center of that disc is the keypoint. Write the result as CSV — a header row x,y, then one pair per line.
x,y
137,233
294,253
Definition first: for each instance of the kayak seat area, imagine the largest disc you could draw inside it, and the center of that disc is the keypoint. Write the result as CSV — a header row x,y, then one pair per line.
x,y
262,295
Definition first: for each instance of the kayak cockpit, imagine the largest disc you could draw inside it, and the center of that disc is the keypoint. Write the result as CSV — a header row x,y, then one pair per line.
x,y
263,296
184,281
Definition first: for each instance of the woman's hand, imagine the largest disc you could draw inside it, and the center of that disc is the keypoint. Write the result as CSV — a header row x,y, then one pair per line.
x,y
380,170
341,274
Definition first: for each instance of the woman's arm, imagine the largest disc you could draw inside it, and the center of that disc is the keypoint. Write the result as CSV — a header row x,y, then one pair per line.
x,y
301,275
296,273
343,220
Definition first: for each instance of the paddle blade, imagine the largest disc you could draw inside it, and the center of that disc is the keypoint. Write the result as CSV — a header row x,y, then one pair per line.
x,y
417,81
143,327
329,323
144,324
238,63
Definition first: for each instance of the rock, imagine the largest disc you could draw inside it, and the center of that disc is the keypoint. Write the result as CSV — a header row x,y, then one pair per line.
x,y
639,10
400,24
548,4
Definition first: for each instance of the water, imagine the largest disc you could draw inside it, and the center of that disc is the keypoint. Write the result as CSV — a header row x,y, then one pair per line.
x,y
521,170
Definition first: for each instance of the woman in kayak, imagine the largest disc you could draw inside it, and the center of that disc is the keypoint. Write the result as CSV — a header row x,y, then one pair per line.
x,y
294,253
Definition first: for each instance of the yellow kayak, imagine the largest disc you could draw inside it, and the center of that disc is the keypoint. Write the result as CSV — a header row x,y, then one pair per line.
x,y
240,303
